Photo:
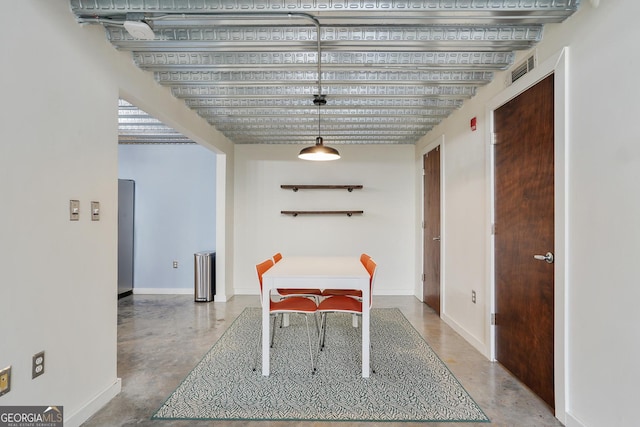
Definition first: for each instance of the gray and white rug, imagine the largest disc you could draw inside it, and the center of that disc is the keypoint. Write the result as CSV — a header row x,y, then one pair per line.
x,y
410,382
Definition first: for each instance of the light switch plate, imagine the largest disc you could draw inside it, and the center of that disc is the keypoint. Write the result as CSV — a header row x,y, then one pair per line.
x,y
95,211
74,210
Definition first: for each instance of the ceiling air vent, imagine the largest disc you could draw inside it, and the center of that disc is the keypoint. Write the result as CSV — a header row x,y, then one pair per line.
x,y
521,69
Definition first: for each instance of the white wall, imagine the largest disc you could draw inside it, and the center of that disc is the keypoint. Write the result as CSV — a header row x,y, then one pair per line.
x,y
57,278
603,231
175,212
58,141
385,230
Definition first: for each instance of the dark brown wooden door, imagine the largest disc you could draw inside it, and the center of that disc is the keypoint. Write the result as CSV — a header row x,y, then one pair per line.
x,y
431,238
524,227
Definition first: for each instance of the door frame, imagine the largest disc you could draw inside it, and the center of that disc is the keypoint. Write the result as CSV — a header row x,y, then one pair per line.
x,y
437,142
557,64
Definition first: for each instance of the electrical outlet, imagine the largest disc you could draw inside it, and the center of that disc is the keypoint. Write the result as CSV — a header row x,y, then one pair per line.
x,y
175,264
37,367
5,380
473,297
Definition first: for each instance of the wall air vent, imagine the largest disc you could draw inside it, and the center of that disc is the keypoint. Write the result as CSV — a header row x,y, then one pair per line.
x,y
521,69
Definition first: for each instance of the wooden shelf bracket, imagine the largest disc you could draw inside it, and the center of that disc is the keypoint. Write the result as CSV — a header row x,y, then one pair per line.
x,y
296,213
349,188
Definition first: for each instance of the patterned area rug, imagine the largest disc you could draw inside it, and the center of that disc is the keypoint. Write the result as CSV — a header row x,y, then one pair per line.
x,y
410,382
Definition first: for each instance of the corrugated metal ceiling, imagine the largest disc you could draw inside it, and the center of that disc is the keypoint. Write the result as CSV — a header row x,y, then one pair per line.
x,y
390,69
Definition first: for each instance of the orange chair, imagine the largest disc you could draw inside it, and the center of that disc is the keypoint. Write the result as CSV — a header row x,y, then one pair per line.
x,y
364,258
344,304
295,292
292,304
354,293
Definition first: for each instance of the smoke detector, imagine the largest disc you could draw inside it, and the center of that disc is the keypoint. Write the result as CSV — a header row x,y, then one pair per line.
x,y
139,30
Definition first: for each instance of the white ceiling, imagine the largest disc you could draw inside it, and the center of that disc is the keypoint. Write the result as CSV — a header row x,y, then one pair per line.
x,y
390,70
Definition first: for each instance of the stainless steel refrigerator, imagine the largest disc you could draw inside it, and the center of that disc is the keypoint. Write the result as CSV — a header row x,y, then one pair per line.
x,y
126,215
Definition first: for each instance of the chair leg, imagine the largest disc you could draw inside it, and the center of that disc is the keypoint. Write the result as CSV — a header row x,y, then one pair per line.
x,y
258,348
323,329
321,337
371,364
313,368
320,333
315,318
256,356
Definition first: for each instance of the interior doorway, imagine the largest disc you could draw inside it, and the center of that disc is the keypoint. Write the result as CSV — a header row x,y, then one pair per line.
x,y
556,64
126,232
524,237
175,201
431,229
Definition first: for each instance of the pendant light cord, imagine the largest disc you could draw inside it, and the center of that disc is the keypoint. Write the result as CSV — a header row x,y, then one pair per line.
x,y
318,119
319,57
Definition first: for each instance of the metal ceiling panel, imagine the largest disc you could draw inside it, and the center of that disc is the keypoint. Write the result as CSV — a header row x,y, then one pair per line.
x,y
137,127
390,70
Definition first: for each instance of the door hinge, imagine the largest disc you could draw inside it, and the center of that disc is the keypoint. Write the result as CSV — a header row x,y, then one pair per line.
x,y
424,277
493,319
493,228
493,138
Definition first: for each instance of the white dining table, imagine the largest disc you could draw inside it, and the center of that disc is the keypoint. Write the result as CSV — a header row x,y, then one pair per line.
x,y
318,272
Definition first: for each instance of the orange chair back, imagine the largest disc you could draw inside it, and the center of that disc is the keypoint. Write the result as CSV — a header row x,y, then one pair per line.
x,y
364,258
371,268
277,257
262,268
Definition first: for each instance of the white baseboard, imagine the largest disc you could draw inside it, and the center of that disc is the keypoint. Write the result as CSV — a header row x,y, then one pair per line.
x,y
163,291
174,291
246,291
466,335
94,405
573,421
394,292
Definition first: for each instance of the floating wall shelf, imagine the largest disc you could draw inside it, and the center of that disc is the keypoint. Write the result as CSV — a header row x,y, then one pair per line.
x,y
349,188
296,213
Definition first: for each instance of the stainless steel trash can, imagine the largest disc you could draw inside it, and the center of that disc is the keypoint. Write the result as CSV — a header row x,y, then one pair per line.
x,y
204,276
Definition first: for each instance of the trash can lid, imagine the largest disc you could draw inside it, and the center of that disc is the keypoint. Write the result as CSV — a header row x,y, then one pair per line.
x,y
205,253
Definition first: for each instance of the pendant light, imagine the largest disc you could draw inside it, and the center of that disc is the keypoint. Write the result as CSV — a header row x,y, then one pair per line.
x,y
319,152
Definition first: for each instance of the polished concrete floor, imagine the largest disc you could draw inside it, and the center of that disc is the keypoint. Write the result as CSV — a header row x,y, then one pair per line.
x,y
162,337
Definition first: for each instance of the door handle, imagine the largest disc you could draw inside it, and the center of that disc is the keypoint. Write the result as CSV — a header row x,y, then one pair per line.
x,y
436,239
546,257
